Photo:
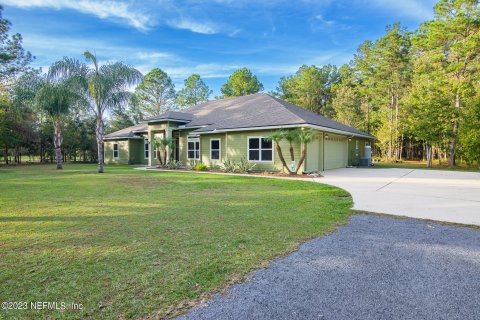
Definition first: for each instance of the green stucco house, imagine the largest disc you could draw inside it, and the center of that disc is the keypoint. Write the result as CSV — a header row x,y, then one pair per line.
x,y
233,128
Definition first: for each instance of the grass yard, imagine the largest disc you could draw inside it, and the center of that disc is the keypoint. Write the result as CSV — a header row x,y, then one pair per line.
x,y
130,243
422,165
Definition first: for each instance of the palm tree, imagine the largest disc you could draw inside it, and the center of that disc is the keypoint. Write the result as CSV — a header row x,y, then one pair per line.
x,y
161,144
291,136
55,99
101,88
304,136
156,149
276,137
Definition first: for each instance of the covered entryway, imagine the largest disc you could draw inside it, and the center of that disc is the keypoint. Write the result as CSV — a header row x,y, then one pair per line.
x,y
335,152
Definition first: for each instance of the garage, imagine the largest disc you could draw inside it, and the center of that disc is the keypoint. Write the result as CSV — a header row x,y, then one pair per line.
x,y
335,152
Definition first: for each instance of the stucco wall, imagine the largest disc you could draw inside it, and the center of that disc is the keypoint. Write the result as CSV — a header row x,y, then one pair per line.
x,y
123,152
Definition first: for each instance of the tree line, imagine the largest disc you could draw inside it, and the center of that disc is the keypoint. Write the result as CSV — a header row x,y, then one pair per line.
x,y
416,91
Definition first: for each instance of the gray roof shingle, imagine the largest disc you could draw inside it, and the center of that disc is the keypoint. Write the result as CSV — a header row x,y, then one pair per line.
x,y
128,132
172,115
253,111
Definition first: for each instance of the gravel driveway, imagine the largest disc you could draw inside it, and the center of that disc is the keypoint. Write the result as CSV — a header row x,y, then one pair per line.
x,y
375,267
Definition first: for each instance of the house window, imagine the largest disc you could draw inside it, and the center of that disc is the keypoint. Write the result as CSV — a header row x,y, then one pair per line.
x,y
260,149
115,151
193,149
215,149
146,148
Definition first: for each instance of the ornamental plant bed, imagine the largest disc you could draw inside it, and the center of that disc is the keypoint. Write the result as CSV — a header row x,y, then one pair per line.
x,y
252,173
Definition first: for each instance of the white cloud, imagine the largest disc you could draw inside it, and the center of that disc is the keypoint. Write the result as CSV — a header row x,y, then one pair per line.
x,y
49,49
415,9
104,9
194,26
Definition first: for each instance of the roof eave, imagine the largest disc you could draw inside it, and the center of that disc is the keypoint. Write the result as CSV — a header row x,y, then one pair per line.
x,y
305,125
121,138
167,119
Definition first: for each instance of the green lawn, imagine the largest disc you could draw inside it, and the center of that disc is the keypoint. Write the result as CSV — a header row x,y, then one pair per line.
x,y
132,243
422,165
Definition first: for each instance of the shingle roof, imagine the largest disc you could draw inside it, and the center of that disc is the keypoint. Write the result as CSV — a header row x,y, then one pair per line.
x,y
128,132
172,115
257,110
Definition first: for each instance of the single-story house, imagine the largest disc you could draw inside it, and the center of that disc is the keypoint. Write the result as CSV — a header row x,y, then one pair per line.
x,y
235,128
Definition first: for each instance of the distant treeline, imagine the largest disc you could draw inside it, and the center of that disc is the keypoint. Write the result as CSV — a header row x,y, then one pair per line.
x,y
417,91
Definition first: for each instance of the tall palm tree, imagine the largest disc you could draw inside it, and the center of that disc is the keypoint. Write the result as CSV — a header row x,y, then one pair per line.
x,y
161,144
291,136
102,88
276,137
55,99
304,136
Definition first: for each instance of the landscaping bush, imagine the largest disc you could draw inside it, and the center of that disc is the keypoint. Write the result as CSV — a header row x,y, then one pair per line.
x,y
200,167
244,166
174,164
229,166
215,167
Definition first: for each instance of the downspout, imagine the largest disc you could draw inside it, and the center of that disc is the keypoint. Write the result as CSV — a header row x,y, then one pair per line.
x,y
323,151
348,150
226,146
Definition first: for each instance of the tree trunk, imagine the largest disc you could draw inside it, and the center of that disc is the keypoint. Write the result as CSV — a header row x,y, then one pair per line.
x,y
453,141
429,155
367,105
390,143
280,155
99,135
6,154
302,158
57,143
159,156
292,156
439,154
396,141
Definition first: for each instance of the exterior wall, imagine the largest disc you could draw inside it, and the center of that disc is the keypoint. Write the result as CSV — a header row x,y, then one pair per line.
x,y
205,149
339,152
123,152
353,155
236,147
137,152
183,147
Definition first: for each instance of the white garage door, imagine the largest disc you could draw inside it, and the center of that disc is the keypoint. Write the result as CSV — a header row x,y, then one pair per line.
x,y
335,152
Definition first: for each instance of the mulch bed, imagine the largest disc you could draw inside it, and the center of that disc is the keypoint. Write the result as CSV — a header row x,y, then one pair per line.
x,y
261,174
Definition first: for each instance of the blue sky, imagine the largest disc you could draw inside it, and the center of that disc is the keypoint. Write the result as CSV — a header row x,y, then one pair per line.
x,y
210,37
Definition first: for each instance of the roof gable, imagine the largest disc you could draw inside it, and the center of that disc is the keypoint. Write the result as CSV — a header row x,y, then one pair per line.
x,y
128,133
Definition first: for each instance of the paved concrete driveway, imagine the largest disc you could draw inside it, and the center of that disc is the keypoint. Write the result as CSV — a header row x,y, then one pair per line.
x,y
428,194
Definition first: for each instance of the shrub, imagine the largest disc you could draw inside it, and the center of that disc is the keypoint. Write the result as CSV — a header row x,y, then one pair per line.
x,y
215,167
229,166
174,164
201,167
244,166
